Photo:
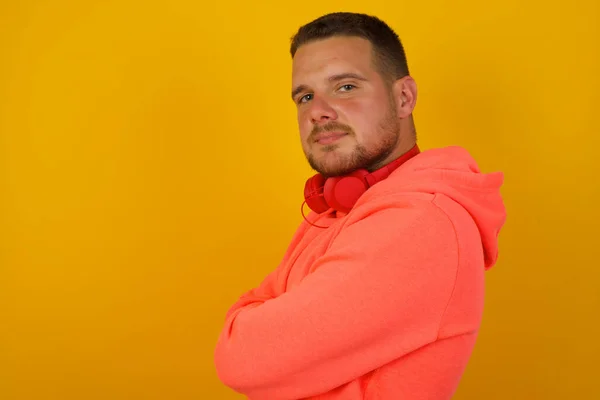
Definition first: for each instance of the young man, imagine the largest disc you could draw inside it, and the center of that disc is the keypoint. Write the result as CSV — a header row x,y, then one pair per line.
x,y
380,293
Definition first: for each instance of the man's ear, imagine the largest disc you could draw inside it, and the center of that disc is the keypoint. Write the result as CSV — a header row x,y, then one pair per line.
x,y
405,93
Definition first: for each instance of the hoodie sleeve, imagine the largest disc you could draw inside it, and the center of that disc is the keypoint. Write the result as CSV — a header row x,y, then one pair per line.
x,y
378,293
272,285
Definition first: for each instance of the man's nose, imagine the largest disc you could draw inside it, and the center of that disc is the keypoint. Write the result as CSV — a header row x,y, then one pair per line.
x,y
321,111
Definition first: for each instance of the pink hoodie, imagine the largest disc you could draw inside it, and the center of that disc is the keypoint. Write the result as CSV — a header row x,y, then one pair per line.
x,y
385,303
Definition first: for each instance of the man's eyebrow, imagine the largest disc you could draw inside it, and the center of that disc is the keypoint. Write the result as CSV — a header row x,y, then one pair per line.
x,y
333,78
298,90
346,75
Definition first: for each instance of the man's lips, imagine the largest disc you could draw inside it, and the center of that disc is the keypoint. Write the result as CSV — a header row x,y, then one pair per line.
x,y
329,137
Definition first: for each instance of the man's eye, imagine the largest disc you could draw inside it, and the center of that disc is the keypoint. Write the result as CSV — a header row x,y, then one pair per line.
x,y
347,87
305,98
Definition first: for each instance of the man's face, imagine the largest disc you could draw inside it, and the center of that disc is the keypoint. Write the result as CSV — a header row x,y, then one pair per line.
x,y
346,112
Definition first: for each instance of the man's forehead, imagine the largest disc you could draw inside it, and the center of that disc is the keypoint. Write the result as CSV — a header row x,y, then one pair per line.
x,y
319,56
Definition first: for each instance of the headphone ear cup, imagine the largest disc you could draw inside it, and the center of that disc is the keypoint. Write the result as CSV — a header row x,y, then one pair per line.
x,y
341,193
313,194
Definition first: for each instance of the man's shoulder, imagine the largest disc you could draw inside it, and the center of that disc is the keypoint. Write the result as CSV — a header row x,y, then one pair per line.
x,y
399,213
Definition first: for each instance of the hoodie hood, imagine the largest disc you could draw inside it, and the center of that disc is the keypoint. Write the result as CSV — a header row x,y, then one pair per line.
x,y
453,172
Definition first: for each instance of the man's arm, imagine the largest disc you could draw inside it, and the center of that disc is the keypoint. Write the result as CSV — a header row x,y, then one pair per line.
x,y
273,284
379,292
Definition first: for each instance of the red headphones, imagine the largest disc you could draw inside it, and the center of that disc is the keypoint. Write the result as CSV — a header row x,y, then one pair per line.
x,y
342,192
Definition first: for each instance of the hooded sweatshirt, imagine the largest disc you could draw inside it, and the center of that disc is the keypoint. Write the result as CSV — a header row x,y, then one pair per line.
x,y
384,302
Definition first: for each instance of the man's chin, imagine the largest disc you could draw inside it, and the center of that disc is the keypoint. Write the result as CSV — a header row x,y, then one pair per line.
x,y
333,167
339,160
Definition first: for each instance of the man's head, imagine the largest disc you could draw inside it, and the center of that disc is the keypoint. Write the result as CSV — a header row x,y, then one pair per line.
x,y
353,91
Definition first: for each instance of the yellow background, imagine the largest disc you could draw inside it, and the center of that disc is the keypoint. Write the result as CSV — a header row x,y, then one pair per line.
x,y
151,171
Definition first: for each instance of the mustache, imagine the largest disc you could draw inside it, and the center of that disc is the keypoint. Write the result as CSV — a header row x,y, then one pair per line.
x,y
330,127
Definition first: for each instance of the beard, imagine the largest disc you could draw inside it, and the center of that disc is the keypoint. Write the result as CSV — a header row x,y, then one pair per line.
x,y
333,163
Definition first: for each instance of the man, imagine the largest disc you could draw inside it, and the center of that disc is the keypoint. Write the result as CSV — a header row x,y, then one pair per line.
x,y
380,293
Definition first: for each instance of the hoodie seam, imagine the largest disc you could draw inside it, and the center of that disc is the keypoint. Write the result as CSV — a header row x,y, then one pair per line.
x,y
433,201
443,315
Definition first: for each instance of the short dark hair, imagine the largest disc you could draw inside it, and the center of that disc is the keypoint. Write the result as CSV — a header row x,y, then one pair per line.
x,y
389,55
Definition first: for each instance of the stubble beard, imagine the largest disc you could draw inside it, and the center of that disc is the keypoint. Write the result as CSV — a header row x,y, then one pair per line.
x,y
334,163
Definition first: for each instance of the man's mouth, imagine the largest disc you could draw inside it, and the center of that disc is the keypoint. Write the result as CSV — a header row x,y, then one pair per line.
x,y
329,137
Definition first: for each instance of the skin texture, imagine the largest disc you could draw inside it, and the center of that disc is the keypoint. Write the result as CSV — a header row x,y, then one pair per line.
x,y
349,116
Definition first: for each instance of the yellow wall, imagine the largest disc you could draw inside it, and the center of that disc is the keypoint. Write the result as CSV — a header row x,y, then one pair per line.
x,y
133,135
